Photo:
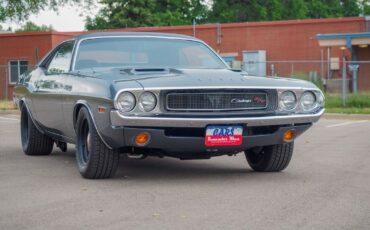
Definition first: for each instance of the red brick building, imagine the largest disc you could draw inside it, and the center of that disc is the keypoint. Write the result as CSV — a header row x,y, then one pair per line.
x,y
281,42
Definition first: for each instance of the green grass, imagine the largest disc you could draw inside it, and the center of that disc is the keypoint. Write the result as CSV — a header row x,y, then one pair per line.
x,y
355,104
7,105
348,110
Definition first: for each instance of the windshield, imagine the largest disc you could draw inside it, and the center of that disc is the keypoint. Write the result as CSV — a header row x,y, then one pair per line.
x,y
140,52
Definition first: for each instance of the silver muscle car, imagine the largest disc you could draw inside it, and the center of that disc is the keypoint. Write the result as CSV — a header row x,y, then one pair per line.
x,y
152,94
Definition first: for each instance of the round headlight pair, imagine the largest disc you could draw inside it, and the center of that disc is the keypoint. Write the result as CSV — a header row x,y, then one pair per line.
x,y
126,102
308,100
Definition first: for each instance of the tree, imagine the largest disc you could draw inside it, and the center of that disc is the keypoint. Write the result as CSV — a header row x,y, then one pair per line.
x,y
275,10
365,7
324,8
294,9
142,13
21,9
32,27
350,8
257,10
222,12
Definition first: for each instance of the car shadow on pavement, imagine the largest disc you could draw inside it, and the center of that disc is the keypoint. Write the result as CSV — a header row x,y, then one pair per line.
x,y
170,169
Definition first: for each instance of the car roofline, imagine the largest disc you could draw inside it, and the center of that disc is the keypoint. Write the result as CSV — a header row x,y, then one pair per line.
x,y
132,34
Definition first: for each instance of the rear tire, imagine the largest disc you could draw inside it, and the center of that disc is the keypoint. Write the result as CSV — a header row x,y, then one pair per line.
x,y
33,141
94,159
273,158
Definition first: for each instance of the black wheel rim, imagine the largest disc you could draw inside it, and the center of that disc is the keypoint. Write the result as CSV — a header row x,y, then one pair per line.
x,y
85,140
256,155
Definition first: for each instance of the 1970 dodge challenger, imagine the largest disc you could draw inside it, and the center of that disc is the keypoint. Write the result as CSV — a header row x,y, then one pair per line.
x,y
152,94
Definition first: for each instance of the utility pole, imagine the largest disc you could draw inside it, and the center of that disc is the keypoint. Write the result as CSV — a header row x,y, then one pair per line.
x,y
194,27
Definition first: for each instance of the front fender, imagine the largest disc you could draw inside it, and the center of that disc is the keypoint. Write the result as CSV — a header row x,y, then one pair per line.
x,y
110,136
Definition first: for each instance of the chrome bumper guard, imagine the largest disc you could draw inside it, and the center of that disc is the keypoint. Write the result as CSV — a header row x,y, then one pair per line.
x,y
118,120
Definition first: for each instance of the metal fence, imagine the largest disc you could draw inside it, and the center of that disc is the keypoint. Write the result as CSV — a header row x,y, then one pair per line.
x,y
335,76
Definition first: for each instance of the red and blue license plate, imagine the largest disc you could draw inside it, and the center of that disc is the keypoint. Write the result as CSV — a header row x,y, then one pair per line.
x,y
224,135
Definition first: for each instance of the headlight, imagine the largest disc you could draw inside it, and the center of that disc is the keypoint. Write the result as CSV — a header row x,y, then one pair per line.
x,y
288,100
308,100
126,102
147,101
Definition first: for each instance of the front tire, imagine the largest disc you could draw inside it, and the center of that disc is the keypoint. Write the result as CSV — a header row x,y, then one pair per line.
x,y
273,158
94,159
34,143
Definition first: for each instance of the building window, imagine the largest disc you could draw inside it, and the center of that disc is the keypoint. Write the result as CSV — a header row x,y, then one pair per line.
x,y
16,68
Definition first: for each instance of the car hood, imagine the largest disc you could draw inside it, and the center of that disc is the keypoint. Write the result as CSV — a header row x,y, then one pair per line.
x,y
217,78
199,78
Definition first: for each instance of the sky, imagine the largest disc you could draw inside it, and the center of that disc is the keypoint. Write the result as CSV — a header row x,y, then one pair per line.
x,y
68,18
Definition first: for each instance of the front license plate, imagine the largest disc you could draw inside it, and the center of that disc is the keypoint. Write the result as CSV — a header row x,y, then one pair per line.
x,y
224,135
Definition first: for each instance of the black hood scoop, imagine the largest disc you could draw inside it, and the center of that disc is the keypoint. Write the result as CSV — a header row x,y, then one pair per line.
x,y
150,71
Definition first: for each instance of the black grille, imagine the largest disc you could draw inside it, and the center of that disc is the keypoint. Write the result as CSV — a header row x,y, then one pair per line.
x,y
230,100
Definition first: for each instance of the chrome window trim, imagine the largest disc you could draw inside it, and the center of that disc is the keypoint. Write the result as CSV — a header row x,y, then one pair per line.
x,y
145,36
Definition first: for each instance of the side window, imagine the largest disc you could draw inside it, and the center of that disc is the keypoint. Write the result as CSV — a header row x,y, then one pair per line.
x,y
61,61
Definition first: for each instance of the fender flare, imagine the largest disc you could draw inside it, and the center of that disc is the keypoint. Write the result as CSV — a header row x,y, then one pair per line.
x,y
22,102
79,104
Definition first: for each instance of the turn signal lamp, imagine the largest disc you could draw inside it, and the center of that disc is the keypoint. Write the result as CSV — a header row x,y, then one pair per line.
x,y
142,139
288,135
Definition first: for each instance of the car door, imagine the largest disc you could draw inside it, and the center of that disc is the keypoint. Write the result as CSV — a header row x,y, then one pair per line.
x,y
50,88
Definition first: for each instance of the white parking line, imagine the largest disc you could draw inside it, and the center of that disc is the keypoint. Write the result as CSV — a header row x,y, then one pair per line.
x,y
9,119
346,123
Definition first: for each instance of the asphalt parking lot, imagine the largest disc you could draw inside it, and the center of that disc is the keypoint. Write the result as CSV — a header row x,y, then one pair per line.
x,y
326,186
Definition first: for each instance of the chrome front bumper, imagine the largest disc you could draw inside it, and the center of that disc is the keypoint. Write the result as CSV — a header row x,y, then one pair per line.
x,y
118,120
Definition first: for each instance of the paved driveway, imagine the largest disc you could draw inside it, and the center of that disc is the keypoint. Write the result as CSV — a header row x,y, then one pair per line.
x,y
326,186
